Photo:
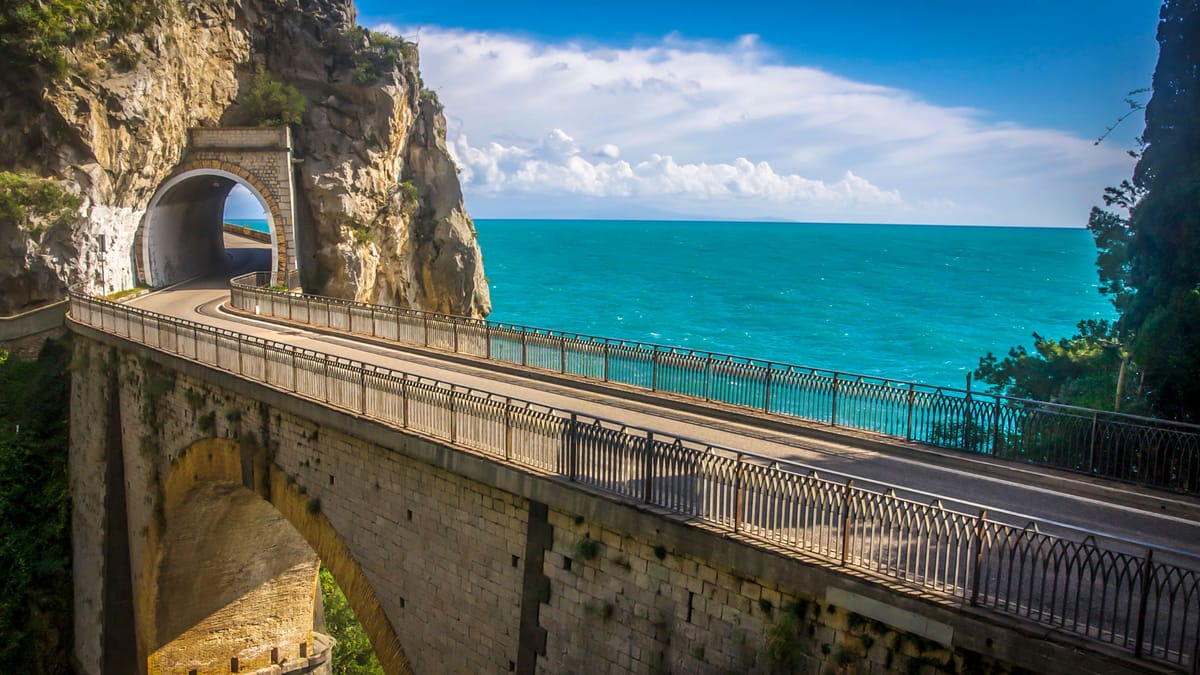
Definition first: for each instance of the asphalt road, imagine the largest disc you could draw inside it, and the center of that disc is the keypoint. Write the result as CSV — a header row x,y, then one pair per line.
x,y
1157,519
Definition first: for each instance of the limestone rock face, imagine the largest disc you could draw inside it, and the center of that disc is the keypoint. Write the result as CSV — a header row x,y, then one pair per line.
x,y
379,208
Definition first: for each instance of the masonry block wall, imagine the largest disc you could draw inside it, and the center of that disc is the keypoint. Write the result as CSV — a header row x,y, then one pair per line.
x,y
263,156
471,566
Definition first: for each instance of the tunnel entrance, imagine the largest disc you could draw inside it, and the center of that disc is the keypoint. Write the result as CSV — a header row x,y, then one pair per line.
x,y
181,235
184,233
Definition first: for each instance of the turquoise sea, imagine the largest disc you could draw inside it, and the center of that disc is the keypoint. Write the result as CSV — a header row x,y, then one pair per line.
x,y
252,223
907,302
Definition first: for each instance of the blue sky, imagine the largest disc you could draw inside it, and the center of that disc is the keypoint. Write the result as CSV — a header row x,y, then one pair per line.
x,y
961,113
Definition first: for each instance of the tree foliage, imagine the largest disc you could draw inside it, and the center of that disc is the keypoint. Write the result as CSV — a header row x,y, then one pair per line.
x,y
353,654
1080,370
273,103
1148,259
35,554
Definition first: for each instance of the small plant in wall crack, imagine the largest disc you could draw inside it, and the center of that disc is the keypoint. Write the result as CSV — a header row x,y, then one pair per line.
x,y
313,506
586,548
207,422
601,608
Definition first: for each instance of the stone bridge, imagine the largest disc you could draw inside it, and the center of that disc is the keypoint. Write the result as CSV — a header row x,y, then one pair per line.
x,y
180,235
203,501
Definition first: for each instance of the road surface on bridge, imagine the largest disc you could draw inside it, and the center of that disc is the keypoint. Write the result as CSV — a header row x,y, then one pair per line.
x,y
1160,519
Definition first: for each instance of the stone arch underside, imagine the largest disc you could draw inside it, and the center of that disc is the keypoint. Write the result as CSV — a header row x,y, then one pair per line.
x,y
227,524
181,232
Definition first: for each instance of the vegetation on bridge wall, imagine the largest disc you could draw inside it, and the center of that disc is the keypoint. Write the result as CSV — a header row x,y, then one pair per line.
x,y
35,553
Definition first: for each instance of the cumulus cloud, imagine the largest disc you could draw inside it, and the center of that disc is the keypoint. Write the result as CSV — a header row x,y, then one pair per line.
x,y
557,165
703,128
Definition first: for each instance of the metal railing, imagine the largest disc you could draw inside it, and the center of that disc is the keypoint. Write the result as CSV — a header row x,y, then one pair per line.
x,y
1110,590
1142,450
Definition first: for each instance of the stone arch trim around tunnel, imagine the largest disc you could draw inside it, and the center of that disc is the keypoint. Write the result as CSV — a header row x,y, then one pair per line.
x,y
150,244
224,462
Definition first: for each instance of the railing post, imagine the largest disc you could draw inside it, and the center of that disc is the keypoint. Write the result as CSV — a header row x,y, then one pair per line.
x,y
1147,572
911,399
767,389
648,469
739,496
1092,444
654,371
523,347
605,363
508,429
833,406
977,569
454,324
487,338
996,428
295,376
846,521
373,333
572,447
425,320
708,365
241,369
362,401
562,354
404,402
453,418
326,387
967,417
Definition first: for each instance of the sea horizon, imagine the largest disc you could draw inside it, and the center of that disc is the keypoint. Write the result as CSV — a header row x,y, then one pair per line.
x,y
846,297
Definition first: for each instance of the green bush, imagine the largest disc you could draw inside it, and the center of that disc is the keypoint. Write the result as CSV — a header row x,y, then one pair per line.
x,y
35,204
371,54
353,654
272,103
35,552
38,32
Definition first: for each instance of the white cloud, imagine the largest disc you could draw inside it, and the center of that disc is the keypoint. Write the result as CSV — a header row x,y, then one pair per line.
x,y
556,165
728,131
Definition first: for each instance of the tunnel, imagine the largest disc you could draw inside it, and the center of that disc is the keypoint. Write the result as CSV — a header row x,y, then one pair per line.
x,y
182,231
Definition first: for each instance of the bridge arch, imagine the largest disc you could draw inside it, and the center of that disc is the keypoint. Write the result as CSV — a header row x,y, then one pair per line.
x,y
212,477
180,235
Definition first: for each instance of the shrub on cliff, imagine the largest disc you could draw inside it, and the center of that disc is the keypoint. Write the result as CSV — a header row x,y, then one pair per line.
x,y
371,54
36,32
272,103
34,204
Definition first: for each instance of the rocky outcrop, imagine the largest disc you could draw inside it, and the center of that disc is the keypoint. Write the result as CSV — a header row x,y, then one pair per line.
x,y
380,211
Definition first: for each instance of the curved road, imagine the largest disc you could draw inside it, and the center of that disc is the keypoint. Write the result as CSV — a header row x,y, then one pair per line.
x,y
1162,520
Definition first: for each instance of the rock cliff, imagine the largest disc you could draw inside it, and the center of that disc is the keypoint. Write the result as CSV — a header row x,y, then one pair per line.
x,y
105,115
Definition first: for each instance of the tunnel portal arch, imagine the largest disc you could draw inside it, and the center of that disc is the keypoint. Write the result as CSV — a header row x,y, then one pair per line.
x,y
180,233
